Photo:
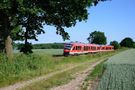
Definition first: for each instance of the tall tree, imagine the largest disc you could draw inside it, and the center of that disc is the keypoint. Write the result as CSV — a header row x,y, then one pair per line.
x,y
97,37
127,42
8,21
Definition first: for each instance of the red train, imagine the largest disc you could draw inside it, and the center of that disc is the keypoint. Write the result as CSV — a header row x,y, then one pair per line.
x,y
80,48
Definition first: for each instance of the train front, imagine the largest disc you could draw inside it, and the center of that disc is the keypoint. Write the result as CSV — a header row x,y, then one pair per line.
x,y
67,48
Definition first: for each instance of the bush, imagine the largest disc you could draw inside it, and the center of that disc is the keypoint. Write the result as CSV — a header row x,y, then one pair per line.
x,y
134,45
26,48
115,44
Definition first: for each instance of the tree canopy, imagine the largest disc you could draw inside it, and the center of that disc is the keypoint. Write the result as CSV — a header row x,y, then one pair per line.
x,y
97,37
127,42
24,19
115,44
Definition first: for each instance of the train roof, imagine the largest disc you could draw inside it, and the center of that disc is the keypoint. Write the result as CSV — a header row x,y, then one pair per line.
x,y
87,44
78,43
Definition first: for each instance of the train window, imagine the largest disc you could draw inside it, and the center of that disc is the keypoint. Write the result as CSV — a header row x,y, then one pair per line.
x,y
85,48
68,46
89,48
74,48
78,47
93,48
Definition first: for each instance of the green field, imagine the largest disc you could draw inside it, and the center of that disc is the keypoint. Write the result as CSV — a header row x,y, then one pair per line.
x,y
119,72
49,51
46,51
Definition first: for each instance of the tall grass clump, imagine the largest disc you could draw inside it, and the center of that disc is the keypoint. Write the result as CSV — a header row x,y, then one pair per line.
x,y
21,66
119,72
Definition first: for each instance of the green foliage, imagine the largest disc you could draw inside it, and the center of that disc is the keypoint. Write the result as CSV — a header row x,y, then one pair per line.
x,y
127,42
134,45
2,46
115,44
119,72
97,37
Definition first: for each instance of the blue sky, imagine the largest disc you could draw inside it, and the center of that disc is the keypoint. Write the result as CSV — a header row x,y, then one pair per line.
x,y
115,18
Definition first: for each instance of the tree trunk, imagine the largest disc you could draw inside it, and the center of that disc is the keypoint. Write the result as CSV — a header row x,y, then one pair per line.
x,y
9,49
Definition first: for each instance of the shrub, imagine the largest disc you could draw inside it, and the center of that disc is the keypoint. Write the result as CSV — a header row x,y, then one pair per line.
x,y
115,44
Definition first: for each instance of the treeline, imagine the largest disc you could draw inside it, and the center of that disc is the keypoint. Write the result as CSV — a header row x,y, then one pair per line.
x,y
18,46
49,46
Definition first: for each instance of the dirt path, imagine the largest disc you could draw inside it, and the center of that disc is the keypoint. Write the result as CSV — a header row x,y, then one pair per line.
x,y
77,82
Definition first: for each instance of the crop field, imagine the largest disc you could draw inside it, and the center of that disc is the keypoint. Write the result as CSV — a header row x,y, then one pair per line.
x,y
119,72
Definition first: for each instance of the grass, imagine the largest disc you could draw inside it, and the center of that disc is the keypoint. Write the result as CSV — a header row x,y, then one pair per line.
x,y
25,67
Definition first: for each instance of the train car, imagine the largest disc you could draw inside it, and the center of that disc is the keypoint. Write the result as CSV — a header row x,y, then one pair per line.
x,y
81,48
73,48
